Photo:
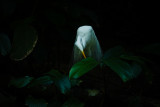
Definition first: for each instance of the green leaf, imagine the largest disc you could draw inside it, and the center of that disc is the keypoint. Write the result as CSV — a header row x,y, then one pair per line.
x,y
113,52
73,102
61,81
82,67
123,69
25,39
21,82
32,102
44,80
5,45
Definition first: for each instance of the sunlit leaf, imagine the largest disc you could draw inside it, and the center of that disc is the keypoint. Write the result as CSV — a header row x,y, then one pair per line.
x,y
20,82
125,70
73,102
61,81
82,67
25,39
32,102
5,45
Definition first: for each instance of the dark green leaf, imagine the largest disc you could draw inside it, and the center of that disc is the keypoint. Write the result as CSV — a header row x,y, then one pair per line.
x,y
82,67
7,7
6,100
32,102
113,52
73,102
138,59
21,82
63,84
25,39
54,74
61,81
152,49
123,69
57,18
44,80
135,101
5,45
75,82
26,21
54,103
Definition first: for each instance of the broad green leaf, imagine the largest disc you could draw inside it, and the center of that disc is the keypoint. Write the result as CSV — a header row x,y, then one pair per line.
x,y
44,80
25,39
21,82
73,102
82,67
123,69
61,81
5,45
32,102
113,52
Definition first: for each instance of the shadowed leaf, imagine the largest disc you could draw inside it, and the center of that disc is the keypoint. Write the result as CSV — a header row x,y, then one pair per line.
x,y
61,81
32,102
44,80
25,39
72,102
21,82
5,45
125,70
152,49
113,52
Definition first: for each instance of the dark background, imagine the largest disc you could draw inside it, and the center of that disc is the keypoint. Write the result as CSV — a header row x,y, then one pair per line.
x,y
126,23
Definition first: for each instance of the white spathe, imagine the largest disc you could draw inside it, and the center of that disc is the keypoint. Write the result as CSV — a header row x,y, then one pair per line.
x,y
86,41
